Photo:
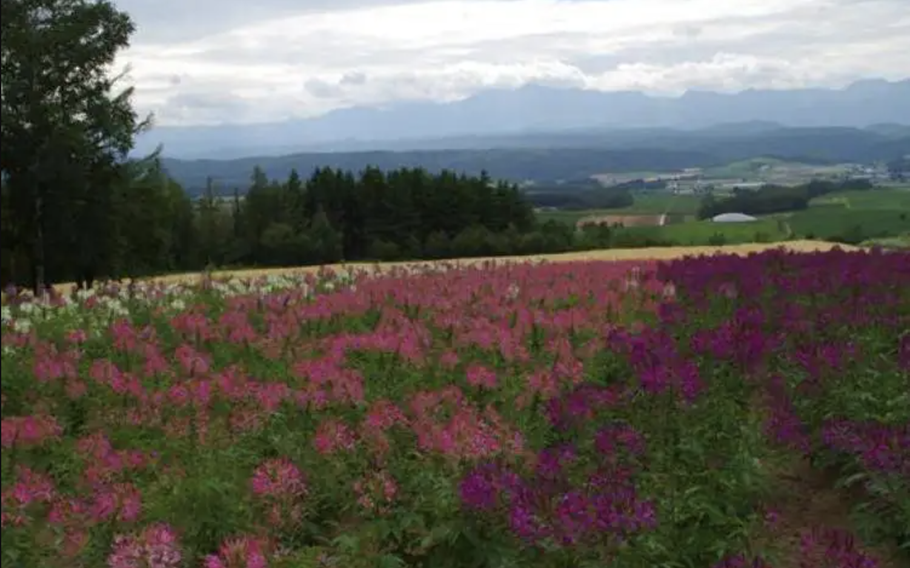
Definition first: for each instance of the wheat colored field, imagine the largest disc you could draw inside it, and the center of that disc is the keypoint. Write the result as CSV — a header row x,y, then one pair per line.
x,y
656,253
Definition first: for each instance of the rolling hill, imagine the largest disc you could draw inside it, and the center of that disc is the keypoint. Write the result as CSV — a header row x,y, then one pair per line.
x,y
546,157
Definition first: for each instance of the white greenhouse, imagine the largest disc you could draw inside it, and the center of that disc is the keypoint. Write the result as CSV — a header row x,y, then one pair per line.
x,y
733,218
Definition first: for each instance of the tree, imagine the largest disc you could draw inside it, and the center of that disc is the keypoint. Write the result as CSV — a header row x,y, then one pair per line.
x,y
65,132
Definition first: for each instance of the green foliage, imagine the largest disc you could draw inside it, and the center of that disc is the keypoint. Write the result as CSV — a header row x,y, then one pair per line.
x,y
65,134
775,199
849,225
678,414
698,233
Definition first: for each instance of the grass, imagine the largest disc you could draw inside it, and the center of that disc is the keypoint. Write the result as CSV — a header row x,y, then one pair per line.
x,y
571,217
659,203
891,199
645,204
901,242
697,233
771,170
746,168
828,223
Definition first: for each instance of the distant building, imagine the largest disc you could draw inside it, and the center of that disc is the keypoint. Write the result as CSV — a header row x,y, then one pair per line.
x,y
733,218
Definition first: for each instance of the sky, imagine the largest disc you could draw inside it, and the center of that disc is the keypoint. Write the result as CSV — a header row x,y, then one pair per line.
x,y
244,61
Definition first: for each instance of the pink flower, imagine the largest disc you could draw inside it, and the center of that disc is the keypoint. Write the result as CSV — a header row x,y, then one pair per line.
x,y
480,376
333,435
28,431
278,478
242,552
156,546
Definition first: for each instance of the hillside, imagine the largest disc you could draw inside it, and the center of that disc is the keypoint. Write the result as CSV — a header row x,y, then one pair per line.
x,y
575,155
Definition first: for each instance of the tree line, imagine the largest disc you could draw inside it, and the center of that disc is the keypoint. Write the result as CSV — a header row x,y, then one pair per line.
x,y
578,194
776,199
76,207
146,224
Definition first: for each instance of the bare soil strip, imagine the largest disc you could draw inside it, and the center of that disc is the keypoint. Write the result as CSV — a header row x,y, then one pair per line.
x,y
654,253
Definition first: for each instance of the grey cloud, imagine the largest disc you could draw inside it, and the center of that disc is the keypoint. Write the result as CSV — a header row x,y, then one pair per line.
x,y
205,107
322,89
165,21
355,78
690,32
334,52
805,44
787,36
786,39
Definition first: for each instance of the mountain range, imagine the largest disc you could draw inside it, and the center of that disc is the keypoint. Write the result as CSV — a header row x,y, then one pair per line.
x,y
539,116
575,155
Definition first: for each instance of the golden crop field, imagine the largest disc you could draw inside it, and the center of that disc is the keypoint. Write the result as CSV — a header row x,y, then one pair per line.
x,y
655,253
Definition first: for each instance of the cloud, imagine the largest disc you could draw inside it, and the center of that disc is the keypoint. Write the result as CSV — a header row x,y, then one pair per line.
x,y
208,62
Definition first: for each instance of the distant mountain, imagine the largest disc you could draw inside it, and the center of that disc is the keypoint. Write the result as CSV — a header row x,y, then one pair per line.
x,y
546,157
890,129
476,122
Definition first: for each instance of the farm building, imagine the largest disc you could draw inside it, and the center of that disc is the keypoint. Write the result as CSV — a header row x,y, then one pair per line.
x,y
733,218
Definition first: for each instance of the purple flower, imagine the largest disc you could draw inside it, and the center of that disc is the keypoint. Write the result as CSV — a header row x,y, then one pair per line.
x,y
478,489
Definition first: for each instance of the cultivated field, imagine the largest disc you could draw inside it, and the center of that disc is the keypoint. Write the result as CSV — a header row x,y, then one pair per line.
x,y
825,223
649,205
648,253
901,242
577,413
771,170
891,199
623,220
881,213
701,232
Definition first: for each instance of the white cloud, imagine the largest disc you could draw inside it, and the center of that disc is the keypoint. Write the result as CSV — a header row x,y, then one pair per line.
x,y
282,62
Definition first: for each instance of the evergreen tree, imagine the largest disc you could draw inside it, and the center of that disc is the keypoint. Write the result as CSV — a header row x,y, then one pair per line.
x,y
65,131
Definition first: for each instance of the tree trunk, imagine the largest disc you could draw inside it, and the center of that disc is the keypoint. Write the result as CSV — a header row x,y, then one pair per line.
x,y
38,247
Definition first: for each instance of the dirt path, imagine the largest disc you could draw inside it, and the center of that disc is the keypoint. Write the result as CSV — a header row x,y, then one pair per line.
x,y
807,500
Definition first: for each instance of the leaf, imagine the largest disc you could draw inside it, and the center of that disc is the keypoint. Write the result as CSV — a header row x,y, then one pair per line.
x,y
390,561
347,542
853,479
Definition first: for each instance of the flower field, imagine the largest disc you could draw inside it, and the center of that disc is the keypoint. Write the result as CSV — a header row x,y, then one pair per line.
x,y
716,412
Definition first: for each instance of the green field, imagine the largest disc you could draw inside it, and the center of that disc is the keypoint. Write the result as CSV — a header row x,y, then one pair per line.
x,y
697,233
892,199
852,216
658,203
570,217
827,223
676,206
772,170
856,215
901,242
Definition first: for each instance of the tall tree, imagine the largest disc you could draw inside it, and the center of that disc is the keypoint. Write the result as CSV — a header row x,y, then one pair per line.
x,y
65,131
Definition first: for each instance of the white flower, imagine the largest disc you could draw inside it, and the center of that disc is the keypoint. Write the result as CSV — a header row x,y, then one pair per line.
x,y
85,293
